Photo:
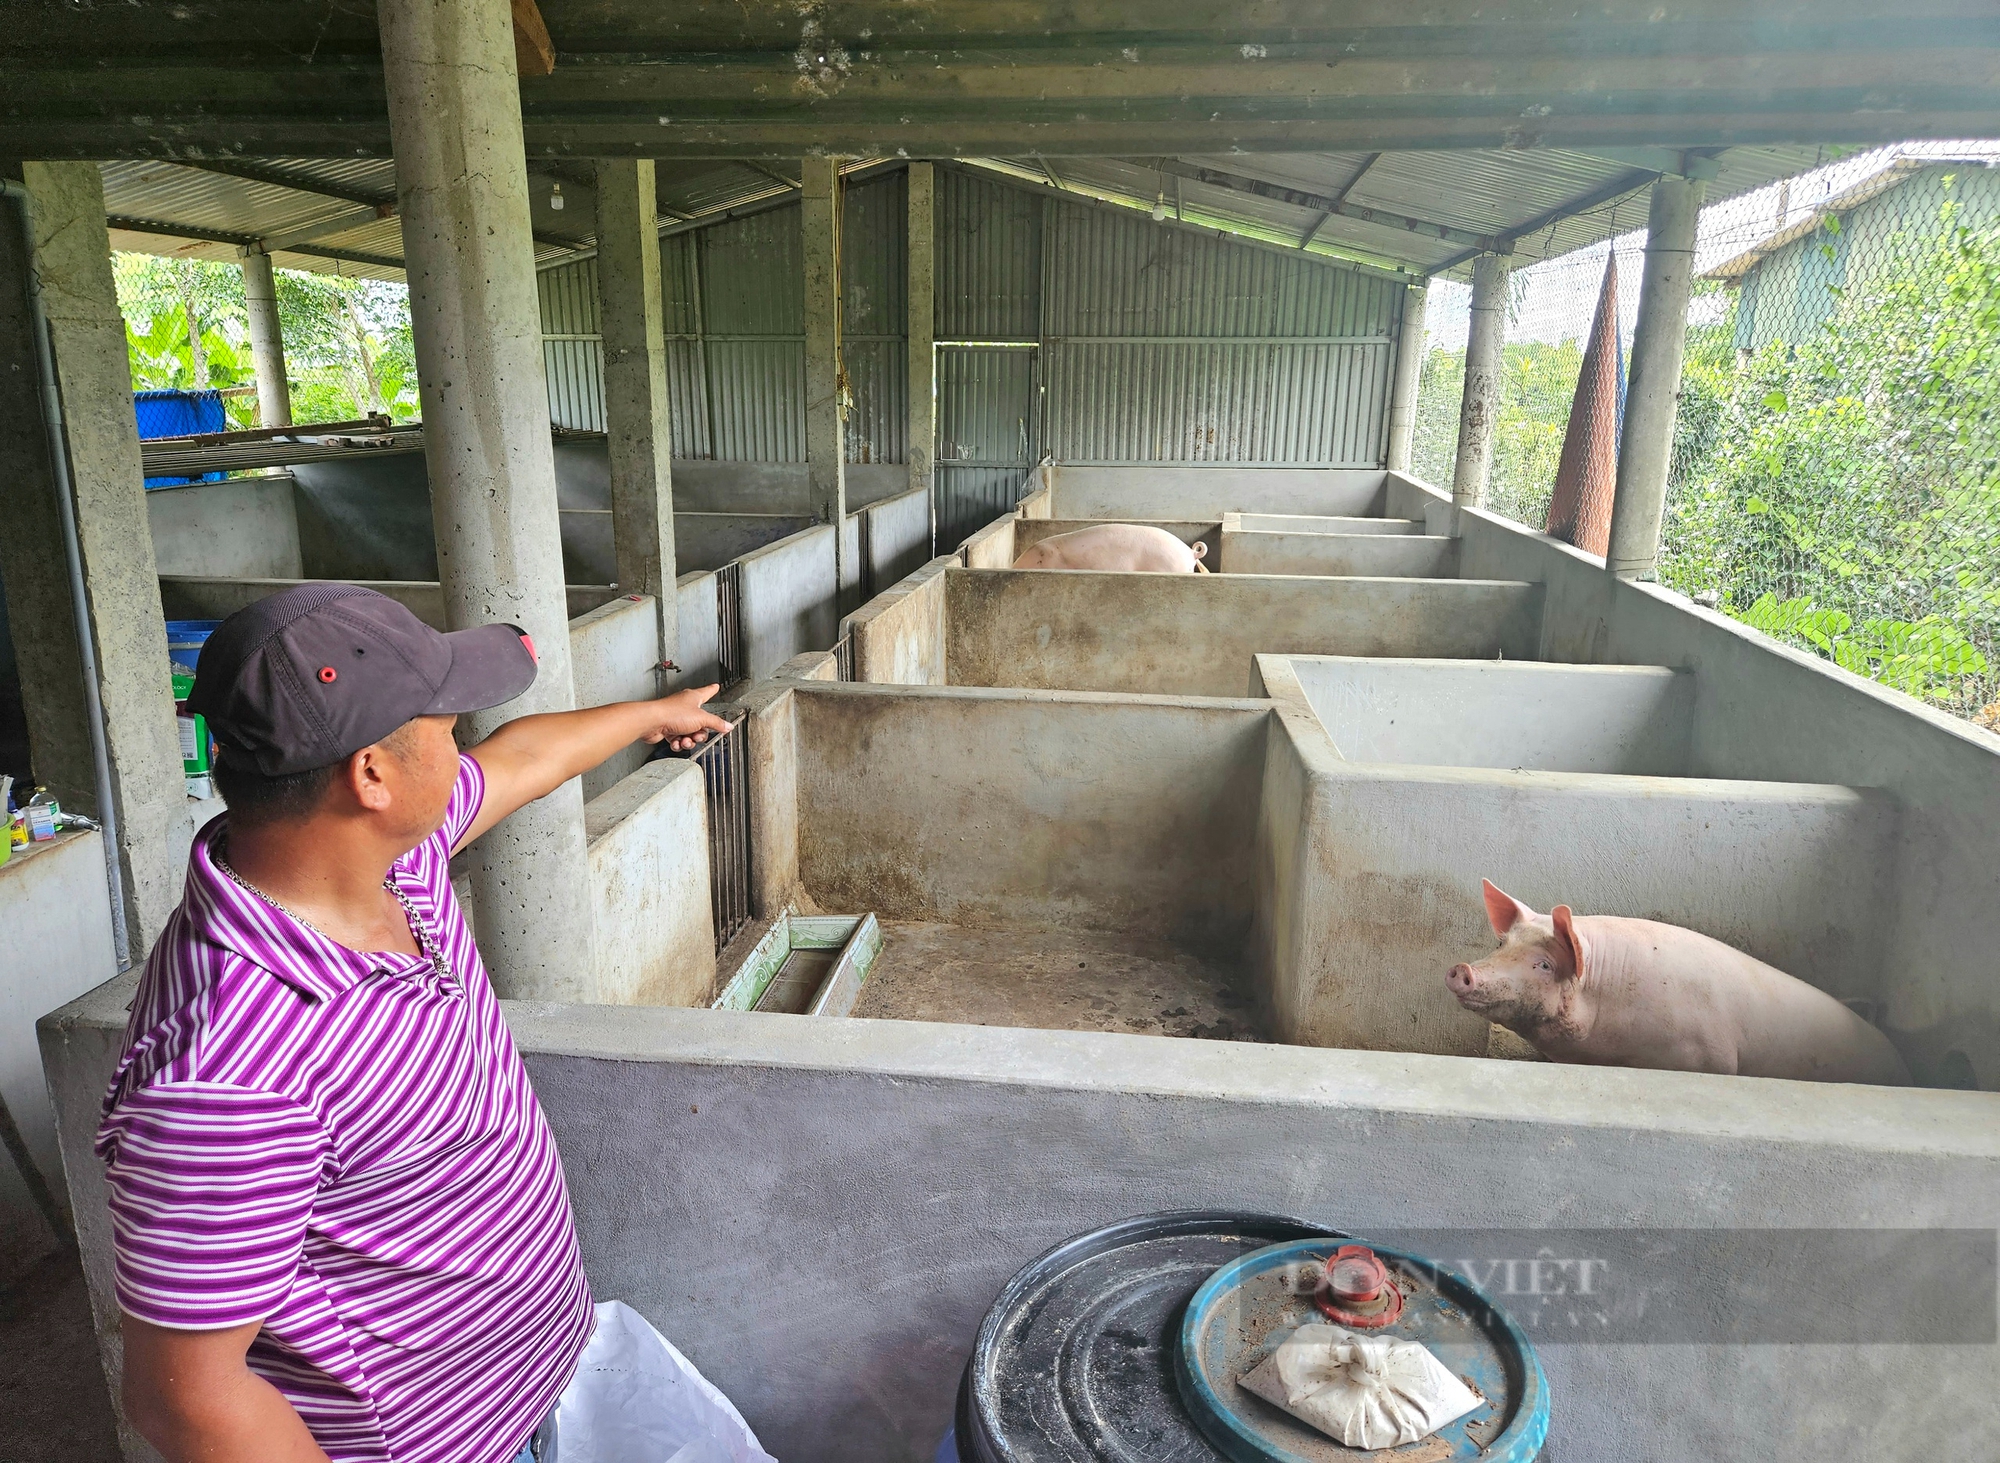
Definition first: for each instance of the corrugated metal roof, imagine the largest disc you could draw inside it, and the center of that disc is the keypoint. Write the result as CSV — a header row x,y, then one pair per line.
x,y
1475,193
1485,193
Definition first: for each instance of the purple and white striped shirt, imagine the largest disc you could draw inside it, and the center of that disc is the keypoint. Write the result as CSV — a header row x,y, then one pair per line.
x,y
346,1148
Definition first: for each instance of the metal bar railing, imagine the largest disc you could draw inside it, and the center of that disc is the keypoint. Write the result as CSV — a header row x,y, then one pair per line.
x,y
725,770
732,662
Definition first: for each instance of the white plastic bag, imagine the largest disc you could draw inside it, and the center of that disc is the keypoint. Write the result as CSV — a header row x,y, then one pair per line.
x,y
635,1399
1363,1391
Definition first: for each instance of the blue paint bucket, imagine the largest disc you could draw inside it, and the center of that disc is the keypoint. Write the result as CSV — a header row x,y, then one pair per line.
x,y
185,639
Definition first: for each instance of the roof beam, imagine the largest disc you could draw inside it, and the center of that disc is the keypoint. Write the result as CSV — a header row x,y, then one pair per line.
x,y
534,52
285,178
1345,188
1324,203
134,225
385,204
1619,187
338,224
236,78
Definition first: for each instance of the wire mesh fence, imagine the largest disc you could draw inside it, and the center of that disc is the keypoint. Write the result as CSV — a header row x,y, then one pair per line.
x,y
348,348
1835,479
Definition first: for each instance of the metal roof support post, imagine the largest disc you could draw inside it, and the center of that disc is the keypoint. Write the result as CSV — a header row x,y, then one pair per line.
x,y
1652,396
462,180
1409,371
267,340
638,422
826,468
1480,404
920,449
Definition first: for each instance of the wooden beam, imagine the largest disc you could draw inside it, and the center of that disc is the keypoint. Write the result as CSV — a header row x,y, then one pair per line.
x,y
534,52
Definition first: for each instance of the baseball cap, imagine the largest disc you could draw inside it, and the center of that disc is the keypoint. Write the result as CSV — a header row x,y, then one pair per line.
x,y
314,673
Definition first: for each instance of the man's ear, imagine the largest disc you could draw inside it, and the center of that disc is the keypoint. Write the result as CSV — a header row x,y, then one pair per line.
x,y
365,780
1503,910
1569,935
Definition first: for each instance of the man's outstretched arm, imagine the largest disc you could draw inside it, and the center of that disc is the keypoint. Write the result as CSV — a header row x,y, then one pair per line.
x,y
533,756
192,1396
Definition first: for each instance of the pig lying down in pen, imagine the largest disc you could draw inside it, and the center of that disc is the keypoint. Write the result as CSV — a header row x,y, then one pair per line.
x,y
1636,993
1129,546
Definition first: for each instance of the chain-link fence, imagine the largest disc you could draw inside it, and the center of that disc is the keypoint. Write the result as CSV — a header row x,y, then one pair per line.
x,y
347,340
1836,470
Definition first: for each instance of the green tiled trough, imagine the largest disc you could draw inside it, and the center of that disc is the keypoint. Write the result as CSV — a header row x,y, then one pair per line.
x,y
806,965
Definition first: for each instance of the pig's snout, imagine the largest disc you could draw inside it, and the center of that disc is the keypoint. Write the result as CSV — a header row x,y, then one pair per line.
x,y
1461,980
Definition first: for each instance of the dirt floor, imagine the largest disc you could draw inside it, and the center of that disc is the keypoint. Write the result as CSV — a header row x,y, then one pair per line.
x,y
1058,980
53,1405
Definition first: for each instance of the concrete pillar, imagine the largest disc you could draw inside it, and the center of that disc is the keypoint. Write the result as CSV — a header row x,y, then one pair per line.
x,y
461,177
826,466
1409,375
921,435
128,634
637,417
1479,407
1652,393
267,341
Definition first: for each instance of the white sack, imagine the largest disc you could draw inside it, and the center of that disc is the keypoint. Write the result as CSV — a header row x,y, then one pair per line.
x,y
1363,1391
635,1399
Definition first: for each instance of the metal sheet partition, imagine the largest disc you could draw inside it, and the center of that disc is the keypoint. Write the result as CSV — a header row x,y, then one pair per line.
x,y
1066,329
986,434
572,345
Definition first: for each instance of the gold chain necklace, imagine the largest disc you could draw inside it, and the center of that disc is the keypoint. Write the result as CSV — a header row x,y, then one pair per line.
x,y
418,927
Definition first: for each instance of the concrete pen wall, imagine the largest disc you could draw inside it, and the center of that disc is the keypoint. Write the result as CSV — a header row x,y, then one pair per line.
x,y
885,1178
1005,809
1502,713
1392,555
1369,876
56,917
1167,491
1196,634
244,527
1767,711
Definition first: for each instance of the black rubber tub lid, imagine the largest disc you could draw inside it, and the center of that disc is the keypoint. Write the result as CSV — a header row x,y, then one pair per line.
x,y
1075,1362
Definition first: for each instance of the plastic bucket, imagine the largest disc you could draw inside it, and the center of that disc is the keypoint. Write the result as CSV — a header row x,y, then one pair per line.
x,y
1075,1361
185,639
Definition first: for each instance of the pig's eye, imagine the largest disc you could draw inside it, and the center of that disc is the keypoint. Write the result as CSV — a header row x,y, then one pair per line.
x,y
1543,964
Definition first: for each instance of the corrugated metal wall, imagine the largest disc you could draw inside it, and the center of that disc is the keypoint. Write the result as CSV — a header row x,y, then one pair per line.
x,y
735,323
1152,344
572,349
1163,345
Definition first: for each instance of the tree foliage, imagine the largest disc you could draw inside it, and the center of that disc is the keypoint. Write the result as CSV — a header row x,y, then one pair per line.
x,y
1841,491
348,350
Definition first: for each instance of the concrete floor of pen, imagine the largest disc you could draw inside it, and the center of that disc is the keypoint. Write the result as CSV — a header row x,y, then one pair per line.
x,y
53,1402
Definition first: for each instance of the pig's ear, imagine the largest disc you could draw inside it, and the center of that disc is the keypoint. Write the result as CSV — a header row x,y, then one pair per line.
x,y
1502,908
1568,934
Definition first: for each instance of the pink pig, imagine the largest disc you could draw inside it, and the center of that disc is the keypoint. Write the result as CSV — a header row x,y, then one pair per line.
x,y
1139,546
1636,993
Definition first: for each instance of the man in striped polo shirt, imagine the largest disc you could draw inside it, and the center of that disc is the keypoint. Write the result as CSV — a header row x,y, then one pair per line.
x,y
341,1227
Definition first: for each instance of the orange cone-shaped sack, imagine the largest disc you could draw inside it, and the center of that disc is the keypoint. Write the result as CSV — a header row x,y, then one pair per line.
x,y
1580,508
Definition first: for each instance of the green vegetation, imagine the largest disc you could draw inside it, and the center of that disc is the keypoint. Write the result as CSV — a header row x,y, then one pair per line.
x,y
347,341
1842,491
1840,488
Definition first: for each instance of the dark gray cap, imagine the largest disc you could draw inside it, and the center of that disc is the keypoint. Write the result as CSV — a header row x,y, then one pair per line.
x,y
315,673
